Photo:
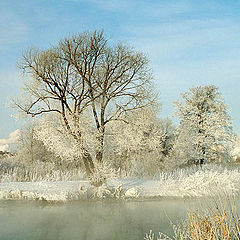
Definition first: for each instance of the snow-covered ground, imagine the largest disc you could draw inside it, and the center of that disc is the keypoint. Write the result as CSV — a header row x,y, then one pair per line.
x,y
49,191
192,182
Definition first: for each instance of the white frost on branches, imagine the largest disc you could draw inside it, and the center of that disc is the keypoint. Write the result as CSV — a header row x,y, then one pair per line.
x,y
138,142
53,133
205,129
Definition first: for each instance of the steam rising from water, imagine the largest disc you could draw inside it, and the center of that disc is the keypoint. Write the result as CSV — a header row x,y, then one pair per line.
x,y
88,220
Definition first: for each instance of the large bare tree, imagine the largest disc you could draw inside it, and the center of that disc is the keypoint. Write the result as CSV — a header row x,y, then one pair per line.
x,y
86,73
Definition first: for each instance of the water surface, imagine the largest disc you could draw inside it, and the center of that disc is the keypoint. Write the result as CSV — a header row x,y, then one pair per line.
x,y
89,220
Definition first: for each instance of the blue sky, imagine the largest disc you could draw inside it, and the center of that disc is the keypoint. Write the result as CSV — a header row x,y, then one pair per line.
x,y
188,42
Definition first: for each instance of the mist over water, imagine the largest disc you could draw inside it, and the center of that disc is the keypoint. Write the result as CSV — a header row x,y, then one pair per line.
x,y
87,220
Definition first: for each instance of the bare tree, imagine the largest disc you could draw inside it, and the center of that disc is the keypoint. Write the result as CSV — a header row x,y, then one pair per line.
x,y
85,73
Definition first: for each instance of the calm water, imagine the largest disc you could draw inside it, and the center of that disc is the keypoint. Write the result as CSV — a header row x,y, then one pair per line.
x,y
103,220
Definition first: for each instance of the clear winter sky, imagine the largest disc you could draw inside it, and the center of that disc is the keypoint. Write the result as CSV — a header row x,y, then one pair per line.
x,y
188,42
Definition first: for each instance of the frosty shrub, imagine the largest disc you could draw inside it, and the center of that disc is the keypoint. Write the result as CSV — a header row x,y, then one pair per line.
x,y
197,181
13,171
30,149
103,172
8,164
50,130
161,236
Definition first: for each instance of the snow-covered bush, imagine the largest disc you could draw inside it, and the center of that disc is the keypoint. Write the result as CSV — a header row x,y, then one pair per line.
x,y
51,130
13,171
197,181
160,236
8,164
102,173
30,149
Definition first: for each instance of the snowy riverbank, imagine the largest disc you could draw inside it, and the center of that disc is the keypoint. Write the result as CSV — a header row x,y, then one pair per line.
x,y
192,182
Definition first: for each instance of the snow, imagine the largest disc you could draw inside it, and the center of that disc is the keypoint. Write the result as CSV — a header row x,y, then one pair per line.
x,y
132,193
49,191
209,180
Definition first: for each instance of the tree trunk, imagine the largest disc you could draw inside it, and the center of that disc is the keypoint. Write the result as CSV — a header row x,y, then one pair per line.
x,y
202,160
99,155
99,152
91,170
88,163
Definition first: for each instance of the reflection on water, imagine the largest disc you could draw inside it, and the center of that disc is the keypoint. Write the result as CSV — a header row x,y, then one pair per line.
x,y
89,220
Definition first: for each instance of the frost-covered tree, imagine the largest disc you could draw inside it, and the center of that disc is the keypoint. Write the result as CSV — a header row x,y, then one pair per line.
x,y
169,131
30,149
142,142
235,152
50,129
84,73
205,129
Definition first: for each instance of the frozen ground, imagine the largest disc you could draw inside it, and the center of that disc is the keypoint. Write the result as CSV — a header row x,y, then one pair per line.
x,y
192,182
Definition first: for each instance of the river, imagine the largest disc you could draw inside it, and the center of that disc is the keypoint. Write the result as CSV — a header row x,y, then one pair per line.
x,y
89,220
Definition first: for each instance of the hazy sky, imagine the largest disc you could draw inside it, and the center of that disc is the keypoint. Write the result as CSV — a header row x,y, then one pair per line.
x,y
188,42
